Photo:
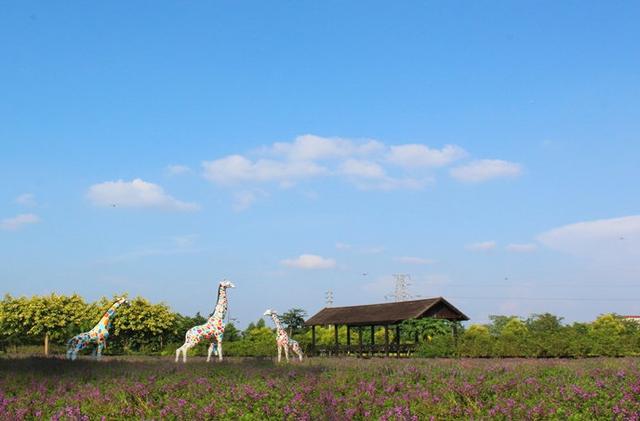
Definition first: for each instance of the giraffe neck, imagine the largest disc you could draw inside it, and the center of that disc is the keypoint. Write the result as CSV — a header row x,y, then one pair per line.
x,y
277,322
106,318
221,305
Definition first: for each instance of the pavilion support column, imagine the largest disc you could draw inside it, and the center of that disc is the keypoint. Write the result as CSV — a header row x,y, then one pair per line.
x,y
360,339
386,340
454,330
335,333
348,339
398,341
373,339
313,339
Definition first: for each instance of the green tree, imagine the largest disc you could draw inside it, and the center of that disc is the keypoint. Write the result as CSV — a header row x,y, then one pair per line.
x,y
142,325
52,316
231,333
425,329
607,333
13,321
476,341
293,320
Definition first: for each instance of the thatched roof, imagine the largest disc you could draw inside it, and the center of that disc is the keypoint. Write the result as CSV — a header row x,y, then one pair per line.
x,y
386,313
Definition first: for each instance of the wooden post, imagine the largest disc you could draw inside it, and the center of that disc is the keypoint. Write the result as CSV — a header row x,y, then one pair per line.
x,y
360,339
398,341
348,339
313,339
46,343
386,340
335,332
373,339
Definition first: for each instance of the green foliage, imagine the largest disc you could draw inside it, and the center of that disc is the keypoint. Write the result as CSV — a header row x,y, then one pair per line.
x,y
294,320
425,329
148,328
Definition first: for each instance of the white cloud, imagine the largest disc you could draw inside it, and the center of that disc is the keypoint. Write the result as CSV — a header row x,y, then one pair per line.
x,y
521,248
26,199
364,169
18,221
414,260
417,155
366,164
311,147
309,261
243,200
135,194
603,239
235,169
485,169
481,246
178,169
343,246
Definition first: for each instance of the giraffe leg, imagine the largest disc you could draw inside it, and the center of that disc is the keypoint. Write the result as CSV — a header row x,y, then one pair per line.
x,y
209,351
70,348
286,352
99,352
219,350
279,352
183,349
77,348
296,348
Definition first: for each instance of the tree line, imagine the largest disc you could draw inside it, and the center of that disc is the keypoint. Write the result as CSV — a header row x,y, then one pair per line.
x,y
48,321
45,323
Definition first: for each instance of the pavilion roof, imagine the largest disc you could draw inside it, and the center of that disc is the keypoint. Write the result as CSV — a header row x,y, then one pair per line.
x,y
386,313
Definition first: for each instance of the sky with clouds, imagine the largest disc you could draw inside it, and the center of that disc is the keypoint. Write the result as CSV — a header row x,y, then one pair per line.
x,y
491,152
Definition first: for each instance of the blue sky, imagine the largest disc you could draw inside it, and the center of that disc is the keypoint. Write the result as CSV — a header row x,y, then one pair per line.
x,y
489,151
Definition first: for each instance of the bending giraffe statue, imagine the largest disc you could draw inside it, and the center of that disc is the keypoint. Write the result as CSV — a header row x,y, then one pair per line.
x,y
282,339
214,328
98,335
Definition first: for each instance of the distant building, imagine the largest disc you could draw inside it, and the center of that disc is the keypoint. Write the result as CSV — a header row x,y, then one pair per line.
x,y
634,318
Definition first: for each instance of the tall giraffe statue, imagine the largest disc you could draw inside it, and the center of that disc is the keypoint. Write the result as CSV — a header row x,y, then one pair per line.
x,y
282,339
98,335
214,328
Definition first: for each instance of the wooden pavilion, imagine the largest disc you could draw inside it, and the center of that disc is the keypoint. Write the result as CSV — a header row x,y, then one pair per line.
x,y
387,315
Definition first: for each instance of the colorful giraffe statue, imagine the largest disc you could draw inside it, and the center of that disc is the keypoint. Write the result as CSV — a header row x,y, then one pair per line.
x,y
214,328
98,335
282,339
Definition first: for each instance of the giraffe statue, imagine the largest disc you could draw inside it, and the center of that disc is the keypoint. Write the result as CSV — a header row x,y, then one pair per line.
x,y
97,335
214,328
282,339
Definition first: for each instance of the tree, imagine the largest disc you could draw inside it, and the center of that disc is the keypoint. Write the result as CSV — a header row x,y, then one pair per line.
x,y
51,317
498,323
425,328
142,324
294,320
231,332
13,330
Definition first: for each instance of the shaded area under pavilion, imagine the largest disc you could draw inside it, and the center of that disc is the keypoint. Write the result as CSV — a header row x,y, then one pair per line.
x,y
387,315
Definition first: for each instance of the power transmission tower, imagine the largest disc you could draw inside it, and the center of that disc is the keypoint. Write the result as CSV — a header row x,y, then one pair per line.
x,y
401,290
328,297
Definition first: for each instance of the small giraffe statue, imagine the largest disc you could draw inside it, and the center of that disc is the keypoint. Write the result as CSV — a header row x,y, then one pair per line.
x,y
282,339
213,328
97,335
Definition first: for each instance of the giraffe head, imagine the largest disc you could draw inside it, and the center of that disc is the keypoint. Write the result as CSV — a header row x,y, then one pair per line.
x,y
122,301
270,312
226,284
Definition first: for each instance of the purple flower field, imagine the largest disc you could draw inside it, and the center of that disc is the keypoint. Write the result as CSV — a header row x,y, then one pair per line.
x,y
331,389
